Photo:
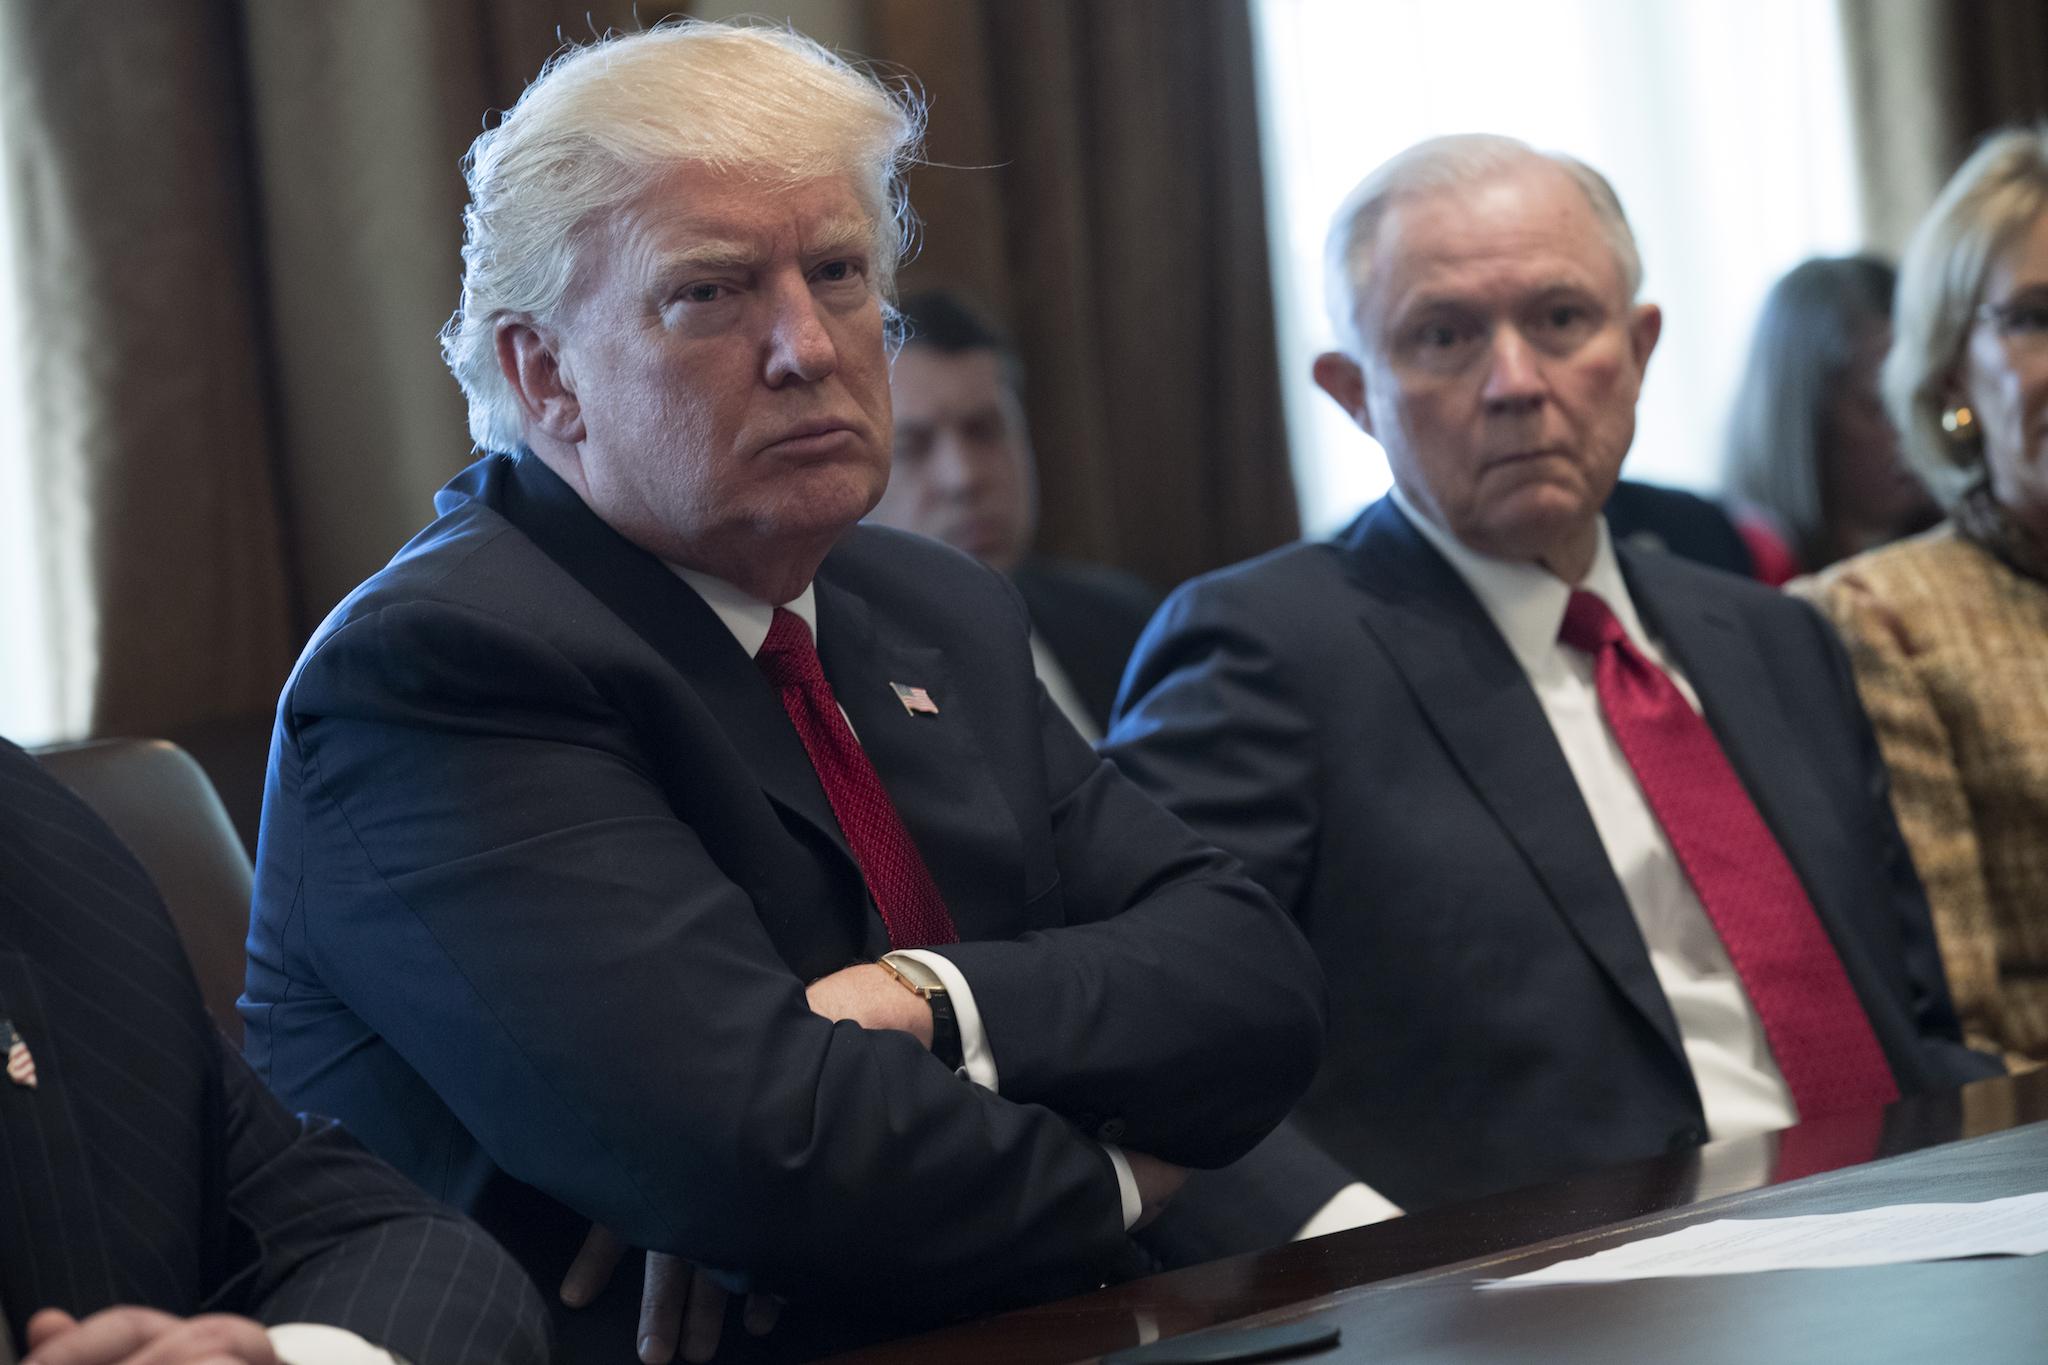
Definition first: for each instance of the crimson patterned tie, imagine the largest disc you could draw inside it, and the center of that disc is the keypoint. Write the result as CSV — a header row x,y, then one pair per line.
x,y
1816,1026
912,909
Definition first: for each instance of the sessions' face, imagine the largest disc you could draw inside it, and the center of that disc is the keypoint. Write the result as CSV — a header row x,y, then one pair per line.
x,y
1502,362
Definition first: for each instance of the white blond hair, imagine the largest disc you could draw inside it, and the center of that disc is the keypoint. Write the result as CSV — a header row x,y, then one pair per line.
x,y
1448,163
1996,195
603,120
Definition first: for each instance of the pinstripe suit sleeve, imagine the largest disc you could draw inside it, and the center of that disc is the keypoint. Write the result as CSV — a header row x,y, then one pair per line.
x,y
149,1165
340,1238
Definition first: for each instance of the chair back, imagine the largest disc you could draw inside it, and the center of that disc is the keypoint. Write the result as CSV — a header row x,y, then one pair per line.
x,y
158,802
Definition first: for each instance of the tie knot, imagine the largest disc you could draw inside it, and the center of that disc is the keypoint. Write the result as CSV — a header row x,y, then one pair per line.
x,y
1588,624
787,656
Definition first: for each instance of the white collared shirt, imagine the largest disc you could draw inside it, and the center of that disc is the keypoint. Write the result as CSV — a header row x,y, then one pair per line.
x,y
1060,688
749,619
1740,1085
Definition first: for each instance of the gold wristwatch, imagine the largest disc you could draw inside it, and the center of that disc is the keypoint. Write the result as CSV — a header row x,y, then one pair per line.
x,y
920,980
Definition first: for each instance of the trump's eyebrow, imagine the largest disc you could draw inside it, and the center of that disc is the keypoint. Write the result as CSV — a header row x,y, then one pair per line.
x,y
835,236
715,254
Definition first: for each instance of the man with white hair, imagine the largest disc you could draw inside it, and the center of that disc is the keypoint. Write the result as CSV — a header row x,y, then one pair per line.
x,y
649,844
1593,843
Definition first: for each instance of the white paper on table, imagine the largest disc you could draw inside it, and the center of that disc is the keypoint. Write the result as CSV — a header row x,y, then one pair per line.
x,y
2017,1226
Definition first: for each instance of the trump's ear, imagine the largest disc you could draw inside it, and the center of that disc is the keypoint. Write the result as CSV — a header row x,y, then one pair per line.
x,y
1339,376
530,358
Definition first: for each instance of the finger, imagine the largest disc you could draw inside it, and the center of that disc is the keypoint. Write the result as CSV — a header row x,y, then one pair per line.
x,y
760,1314
47,1325
662,1291
112,1334
211,1337
704,1322
592,1269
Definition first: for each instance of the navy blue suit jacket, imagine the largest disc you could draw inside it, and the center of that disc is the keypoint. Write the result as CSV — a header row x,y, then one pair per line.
x,y
544,870
1346,718
148,1166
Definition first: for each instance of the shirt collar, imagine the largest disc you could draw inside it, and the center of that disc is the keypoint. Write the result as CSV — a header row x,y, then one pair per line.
x,y
1526,601
746,616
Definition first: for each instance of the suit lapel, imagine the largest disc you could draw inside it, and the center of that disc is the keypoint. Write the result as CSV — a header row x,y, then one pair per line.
x,y
933,768
1484,713
663,611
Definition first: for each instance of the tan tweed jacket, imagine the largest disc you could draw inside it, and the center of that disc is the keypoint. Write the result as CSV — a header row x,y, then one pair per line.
x,y
1950,648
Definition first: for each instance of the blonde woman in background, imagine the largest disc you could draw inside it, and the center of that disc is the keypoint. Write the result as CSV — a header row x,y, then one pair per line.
x,y
1948,631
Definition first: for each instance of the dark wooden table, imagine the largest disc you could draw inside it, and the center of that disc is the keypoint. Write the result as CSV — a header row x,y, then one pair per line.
x,y
1403,1290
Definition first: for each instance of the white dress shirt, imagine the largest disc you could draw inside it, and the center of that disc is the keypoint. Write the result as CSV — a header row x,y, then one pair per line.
x,y
1060,688
749,619
1740,1086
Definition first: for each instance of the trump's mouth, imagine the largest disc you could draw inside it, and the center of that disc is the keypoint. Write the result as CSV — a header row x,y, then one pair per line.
x,y
825,436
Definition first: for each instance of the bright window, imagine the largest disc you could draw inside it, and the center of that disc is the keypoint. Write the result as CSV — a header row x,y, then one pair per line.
x,y
1723,125
42,645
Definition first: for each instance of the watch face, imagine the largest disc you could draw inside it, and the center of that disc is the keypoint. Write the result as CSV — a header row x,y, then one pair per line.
x,y
917,975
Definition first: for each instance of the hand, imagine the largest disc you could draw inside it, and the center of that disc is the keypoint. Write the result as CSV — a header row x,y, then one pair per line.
x,y
675,1297
1158,1182
143,1336
872,998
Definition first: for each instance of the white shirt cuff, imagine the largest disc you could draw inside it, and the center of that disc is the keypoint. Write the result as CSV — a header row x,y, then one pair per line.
x,y
316,1343
1126,1184
1351,1207
977,1063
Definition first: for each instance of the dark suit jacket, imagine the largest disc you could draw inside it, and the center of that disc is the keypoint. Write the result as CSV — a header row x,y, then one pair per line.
x,y
1089,617
544,869
148,1166
1346,718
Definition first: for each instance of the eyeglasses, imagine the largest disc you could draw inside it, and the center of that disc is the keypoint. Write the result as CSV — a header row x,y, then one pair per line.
x,y
2022,322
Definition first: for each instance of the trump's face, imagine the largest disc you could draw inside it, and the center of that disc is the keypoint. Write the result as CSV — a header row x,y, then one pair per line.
x,y
1502,359
722,349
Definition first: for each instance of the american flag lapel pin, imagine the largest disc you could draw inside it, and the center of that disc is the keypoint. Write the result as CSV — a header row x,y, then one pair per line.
x,y
916,700
21,1068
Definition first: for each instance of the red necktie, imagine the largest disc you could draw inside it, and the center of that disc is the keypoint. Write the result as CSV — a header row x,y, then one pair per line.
x,y
912,909
1816,1026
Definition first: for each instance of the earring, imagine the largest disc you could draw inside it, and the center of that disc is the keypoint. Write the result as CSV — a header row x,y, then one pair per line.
x,y
1960,424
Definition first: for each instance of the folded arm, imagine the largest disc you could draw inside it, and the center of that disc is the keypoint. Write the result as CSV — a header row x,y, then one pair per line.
x,y
509,899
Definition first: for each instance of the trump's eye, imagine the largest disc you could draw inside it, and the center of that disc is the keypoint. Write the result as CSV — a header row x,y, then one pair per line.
x,y
838,272
704,291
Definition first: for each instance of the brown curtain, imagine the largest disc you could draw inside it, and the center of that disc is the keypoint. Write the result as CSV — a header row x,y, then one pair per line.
x,y
1928,79
361,111
1096,184
139,314
236,227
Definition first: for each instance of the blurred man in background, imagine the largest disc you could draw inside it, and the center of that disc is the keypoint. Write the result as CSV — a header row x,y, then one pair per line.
x,y
963,473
